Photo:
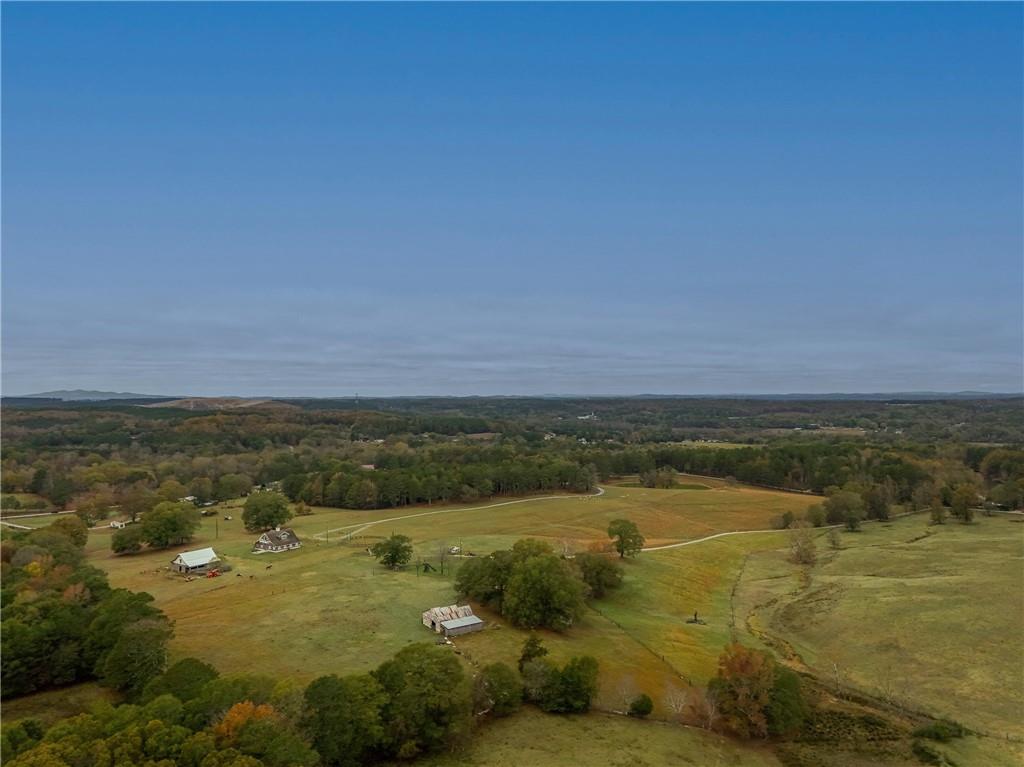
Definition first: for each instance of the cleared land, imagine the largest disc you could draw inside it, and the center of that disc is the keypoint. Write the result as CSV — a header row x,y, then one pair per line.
x,y
329,608
927,616
533,738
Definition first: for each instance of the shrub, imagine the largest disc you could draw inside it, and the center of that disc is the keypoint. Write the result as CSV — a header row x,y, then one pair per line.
x,y
642,706
942,730
599,573
926,754
570,690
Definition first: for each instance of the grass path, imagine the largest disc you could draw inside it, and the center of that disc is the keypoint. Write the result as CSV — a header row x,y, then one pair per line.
x,y
364,525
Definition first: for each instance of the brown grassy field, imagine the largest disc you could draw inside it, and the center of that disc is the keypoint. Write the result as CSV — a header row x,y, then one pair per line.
x,y
328,608
927,616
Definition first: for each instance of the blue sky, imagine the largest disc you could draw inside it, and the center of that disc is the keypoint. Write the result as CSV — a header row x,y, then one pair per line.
x,y
322,199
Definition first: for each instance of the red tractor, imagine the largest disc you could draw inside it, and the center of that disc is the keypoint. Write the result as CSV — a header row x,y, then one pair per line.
x,y
214,573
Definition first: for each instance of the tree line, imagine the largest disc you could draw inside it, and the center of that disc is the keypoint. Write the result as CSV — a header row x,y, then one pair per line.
x,y
62,623
420,701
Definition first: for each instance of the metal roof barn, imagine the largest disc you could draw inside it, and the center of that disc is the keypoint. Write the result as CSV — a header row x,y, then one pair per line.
x,y
458,626
197,559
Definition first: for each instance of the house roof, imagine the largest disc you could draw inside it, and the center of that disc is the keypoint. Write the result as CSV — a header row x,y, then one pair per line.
x,y
197,558
280,537
455,623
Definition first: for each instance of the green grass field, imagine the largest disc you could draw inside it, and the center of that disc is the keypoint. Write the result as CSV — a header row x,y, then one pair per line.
x,y
929,617
329,608
533,738
901,604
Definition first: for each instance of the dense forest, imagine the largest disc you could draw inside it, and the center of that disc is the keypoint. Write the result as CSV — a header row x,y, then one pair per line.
x,y
99,457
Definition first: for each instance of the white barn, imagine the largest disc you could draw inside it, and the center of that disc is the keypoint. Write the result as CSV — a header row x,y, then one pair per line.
x,y
195,561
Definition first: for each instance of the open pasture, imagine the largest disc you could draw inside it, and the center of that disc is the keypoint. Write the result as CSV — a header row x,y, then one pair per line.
x,y
663,516
533,738
329,608
928,616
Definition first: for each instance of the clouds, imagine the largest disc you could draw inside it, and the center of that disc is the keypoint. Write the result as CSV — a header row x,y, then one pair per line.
x,y
330,198
313,346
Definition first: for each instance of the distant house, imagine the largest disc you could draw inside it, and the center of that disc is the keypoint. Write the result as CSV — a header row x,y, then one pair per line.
x,y
199,560
452,620
277,540
368,466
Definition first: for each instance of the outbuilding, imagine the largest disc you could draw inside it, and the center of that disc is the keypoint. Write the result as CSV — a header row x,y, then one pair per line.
x,y
452,620
276,540
199,560
458,626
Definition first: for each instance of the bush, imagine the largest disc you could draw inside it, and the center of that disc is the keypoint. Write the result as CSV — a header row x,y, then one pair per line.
x,y
942,730
570,690
786,709
816,515
642,706
600,573
926,754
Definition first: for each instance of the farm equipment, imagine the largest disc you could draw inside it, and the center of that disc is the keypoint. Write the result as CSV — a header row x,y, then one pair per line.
x,y
214,573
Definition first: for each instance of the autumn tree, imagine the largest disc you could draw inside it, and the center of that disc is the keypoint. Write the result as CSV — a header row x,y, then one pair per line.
x,y
802,548
743,686
754,696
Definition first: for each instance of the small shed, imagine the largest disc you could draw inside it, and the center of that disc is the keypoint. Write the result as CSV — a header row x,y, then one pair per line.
x,y
458,626
198,560
436,616
276,540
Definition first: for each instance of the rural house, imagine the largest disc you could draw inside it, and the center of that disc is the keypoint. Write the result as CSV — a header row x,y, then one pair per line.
x,y
277,540
199,560
452,620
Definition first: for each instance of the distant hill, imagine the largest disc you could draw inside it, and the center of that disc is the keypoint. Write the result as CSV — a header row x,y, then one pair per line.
x,y
89,395
221,403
